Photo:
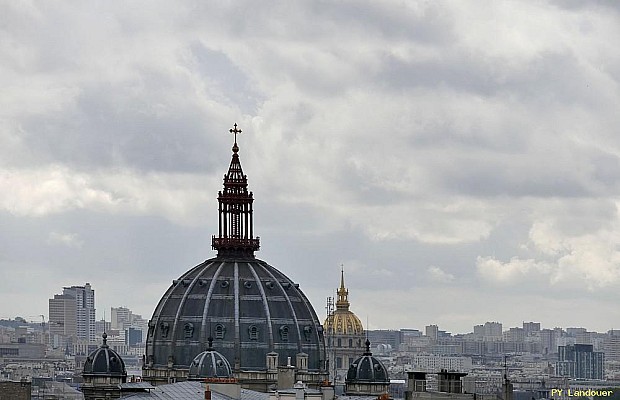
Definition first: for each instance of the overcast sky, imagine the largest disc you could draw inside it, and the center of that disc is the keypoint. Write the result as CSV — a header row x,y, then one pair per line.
x,y
461,159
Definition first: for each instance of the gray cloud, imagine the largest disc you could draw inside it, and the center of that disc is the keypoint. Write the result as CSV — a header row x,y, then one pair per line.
x,y
411,142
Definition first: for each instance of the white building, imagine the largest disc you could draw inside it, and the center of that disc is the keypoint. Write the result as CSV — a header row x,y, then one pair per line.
x,y
434,363
85,310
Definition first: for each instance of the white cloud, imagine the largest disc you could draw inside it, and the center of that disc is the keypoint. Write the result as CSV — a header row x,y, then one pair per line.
x,y
57,189
568,258
65,239
438,275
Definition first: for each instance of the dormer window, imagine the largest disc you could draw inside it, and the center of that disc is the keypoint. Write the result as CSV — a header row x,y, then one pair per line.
x,y
253,332
284,333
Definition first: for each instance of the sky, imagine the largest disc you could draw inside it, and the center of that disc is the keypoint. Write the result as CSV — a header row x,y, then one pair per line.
x,y
459,159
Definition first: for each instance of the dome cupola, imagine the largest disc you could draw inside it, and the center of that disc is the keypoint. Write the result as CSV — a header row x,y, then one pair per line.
x,y
367,376
104,362
210,364
367,368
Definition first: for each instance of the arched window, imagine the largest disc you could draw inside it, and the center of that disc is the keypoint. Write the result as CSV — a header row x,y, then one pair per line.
x,y
350,342
339,342
220,331
253,332
284,333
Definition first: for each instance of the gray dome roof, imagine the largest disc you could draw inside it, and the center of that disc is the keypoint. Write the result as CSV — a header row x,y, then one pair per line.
x,y
367,368
248,306
105,362
210,364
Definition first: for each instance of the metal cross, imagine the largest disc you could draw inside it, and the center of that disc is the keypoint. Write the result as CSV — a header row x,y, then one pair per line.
x,y
235,131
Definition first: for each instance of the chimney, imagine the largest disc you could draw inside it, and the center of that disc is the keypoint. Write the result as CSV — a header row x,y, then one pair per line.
x,y
207,393
302,362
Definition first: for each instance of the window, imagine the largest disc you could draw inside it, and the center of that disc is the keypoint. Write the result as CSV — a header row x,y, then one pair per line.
x,y
220,330
284,333
253,332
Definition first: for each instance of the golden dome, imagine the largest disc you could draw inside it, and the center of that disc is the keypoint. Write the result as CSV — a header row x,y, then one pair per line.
x,y
343,321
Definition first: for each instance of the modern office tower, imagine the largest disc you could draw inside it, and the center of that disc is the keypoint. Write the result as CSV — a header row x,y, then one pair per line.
x,y
62,319
514,335
611,345
85,310
120,317
489,332
531,327
580,361
548,342
432,331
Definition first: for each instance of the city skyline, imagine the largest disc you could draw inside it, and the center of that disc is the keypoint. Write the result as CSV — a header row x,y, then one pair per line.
x,y
461,160
109,317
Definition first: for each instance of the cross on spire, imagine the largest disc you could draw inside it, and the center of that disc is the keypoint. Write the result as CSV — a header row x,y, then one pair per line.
x,y
235,131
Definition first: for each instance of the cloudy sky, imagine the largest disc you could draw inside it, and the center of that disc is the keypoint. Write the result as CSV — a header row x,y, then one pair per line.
x,y
460,159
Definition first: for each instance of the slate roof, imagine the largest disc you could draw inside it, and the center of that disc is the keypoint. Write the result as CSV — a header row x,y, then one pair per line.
x,y
190,390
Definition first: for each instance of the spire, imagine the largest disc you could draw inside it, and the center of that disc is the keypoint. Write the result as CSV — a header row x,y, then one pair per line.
x,y
368,352
343,294
236,224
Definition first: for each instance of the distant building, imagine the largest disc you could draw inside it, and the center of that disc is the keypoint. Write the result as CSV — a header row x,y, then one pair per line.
x,y
433,363
580,361
133,336
120,317
548,342
432,331
388,337
62,320
85,309
514,335
492,331
530,327
611,345
102,326
22,350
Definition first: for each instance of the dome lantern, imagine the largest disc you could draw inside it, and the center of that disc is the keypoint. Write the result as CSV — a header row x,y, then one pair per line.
x,y
236,217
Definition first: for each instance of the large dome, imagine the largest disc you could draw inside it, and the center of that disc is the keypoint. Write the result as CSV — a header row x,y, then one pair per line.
x,y
249,307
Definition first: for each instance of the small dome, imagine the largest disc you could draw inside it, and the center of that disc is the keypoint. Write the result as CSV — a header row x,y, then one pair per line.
x,y
367,368
104,362
210,364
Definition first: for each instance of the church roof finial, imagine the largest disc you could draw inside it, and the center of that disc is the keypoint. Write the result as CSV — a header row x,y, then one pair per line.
x,y
234,131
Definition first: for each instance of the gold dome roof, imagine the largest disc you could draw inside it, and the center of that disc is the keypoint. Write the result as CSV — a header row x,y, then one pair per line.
x,y
343,321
